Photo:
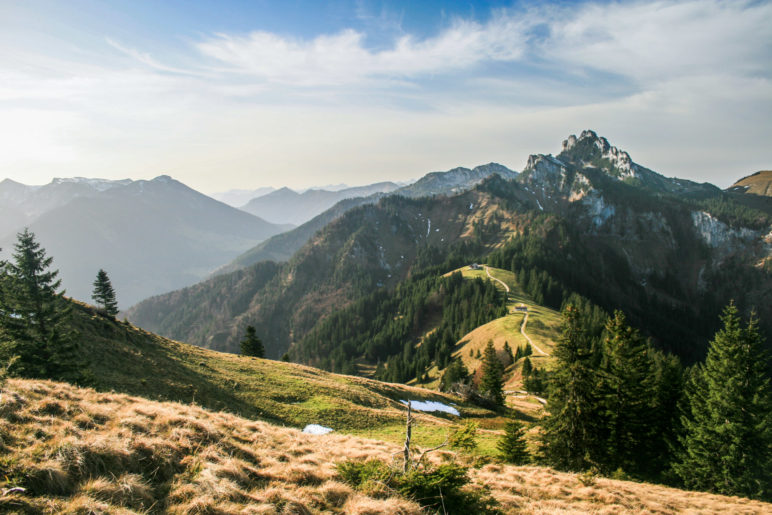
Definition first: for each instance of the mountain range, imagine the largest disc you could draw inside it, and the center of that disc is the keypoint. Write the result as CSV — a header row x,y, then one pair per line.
x,y
669,252
239,197
151,236
289,207
281,247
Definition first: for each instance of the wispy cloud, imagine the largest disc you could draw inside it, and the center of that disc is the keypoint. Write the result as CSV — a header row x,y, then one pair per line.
x,y
148,60
343,58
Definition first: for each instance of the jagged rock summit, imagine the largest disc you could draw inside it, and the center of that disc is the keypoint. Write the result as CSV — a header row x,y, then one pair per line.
x,y
581,158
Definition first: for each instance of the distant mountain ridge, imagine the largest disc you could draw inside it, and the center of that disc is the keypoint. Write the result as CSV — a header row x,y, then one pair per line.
x,y
759,183
150,235
290,207
283,246
239,197
454,181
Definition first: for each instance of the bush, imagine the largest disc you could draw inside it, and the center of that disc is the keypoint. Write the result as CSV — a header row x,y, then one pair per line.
x,y
441,488
359,473
464,437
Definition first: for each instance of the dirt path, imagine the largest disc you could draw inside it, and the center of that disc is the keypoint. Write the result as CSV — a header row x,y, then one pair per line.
x,y
533,345
525,318
488,273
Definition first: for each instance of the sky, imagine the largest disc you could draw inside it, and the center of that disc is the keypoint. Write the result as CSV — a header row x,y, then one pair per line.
x,y
247,94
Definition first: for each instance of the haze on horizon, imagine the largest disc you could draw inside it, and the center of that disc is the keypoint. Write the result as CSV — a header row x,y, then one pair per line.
x,y
224,95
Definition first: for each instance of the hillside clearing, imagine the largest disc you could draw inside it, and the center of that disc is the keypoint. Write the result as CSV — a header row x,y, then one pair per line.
x,y
542,331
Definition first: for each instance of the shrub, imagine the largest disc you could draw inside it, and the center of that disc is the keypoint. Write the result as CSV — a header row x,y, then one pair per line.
x,y
464,438
440,488
367,476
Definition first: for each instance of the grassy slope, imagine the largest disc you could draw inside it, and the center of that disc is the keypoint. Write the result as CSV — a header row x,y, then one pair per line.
x,y
76,450
760,183
542,327
130,360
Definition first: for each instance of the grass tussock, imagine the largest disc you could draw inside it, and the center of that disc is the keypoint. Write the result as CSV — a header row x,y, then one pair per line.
x,y
71,450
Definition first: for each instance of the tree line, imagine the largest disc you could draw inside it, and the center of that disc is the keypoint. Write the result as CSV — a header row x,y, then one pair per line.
x,y
385,327
619,407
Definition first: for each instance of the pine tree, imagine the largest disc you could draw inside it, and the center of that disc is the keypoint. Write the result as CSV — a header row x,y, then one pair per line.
x,y
727,421
571,431
104,294
527,367
35,316
508,350
251,344
455,373
629,392
512,445
492,383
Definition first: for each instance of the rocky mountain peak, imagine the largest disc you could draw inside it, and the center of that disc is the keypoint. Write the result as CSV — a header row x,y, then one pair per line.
x,y
589,149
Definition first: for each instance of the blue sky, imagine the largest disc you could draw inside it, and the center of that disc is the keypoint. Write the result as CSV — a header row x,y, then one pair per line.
x,y
255,93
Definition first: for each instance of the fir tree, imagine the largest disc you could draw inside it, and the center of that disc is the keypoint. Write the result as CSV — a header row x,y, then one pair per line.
x,y
251,344
508,350
512,445
527,367
571,431
629,392
35,316
727,421
455,373
104,294
492,383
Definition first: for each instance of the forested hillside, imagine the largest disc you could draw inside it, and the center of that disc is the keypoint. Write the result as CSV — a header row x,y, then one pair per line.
x,y
369,248
589,221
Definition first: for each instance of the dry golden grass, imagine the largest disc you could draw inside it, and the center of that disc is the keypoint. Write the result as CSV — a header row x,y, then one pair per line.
x,y
80,451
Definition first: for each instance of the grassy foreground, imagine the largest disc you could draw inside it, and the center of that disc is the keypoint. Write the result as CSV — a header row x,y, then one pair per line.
x,y
130,360
76,450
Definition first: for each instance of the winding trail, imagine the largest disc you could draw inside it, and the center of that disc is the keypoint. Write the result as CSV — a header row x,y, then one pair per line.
x,y
525,318
488,273
533,345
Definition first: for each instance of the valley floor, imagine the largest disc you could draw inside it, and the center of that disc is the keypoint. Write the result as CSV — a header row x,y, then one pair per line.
x,y
75,450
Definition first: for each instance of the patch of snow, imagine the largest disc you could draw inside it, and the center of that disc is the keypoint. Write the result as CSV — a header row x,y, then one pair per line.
x,y
316,429
471,205
539,203
429,227
429,406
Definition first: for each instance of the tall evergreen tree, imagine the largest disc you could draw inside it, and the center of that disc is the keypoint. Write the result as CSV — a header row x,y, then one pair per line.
x,y
35,316
512,445
104,294
251,345
629,391
571,431
492,382
727,421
